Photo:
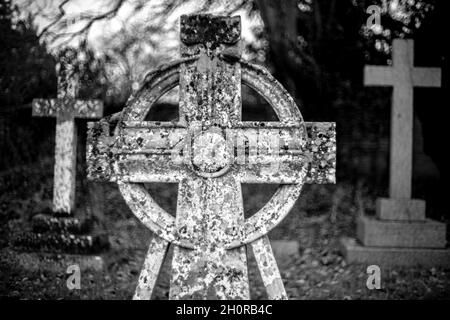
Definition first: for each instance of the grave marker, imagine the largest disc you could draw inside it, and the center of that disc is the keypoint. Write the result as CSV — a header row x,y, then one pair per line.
x,y
61,231
65,109
206,154
401,223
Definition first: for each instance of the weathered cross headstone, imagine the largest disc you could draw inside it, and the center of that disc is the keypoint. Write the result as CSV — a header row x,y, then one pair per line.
x,y
209,152
401,234
61,231
65,109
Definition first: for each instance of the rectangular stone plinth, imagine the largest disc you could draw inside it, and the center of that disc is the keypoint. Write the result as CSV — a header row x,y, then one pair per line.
x,y
424,257
400,209
414,234
283,249
61,242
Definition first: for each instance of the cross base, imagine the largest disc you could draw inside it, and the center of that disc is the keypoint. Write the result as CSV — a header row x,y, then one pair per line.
x,y
41,223
400,234
66,235
60,243
403,209
354,252
283,249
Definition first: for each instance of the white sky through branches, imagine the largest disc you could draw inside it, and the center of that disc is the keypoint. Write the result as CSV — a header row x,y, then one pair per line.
x,y
45,11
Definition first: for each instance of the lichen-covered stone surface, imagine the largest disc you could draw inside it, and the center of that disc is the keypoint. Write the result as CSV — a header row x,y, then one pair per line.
x,y
58,234
44,223
59,231
87,109
65,165
61,242
209,152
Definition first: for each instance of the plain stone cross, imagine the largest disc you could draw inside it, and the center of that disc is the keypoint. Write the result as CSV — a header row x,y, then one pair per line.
x,y
66,108
403,77
209,152
400,234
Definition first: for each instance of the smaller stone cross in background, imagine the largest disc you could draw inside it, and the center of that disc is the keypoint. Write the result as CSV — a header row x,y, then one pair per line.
x,y
66,108
402,76
61,231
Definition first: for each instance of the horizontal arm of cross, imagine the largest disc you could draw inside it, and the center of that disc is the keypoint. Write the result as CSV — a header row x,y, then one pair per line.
x,y
140,152
322,146
87,109
264,152
280,155
269,152
426,77
379,76
386,76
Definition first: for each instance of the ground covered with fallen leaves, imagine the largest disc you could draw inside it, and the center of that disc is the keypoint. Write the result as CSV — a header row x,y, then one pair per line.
x,y
320,218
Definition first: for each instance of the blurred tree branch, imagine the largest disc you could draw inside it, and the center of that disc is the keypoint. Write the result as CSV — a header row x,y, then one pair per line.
x,y
62,20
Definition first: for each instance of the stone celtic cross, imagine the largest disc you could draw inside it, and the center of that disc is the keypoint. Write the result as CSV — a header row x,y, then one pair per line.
x,y
66,108
209,152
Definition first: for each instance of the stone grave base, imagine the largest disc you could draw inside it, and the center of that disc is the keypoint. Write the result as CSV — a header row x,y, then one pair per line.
x,y
283,248
391,256
401,234
60,235
57,263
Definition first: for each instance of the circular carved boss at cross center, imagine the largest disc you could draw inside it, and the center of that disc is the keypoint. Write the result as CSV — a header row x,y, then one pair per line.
x,y
211,155
208,164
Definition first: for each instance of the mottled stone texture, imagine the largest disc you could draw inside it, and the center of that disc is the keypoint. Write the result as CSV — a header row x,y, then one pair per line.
x,y
213,31
42,223
57,242
60,231
209,152
209,209
401,229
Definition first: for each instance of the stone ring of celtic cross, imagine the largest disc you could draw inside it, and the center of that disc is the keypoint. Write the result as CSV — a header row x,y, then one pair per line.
x,y
204,161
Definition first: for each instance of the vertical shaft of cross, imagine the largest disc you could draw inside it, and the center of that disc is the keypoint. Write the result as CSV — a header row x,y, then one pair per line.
x,y
65,145
210,208
401,146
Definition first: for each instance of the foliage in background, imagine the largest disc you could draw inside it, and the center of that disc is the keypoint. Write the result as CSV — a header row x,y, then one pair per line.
x,y
25,64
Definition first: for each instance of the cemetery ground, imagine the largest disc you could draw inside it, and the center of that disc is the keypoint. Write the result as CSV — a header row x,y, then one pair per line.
x,y
321,216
